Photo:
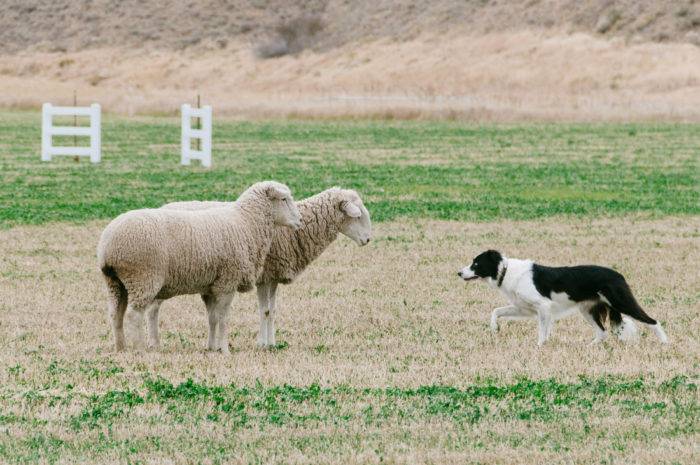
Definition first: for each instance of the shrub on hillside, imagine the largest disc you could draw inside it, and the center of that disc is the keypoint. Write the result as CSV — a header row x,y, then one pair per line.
x,y
290,37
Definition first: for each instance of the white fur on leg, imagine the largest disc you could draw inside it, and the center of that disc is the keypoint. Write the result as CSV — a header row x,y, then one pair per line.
x,y
152,318
511,312
263,310
494,322
600,336
135,326
213,318
117,320
544,320
626,331
272,308
222,309
660,333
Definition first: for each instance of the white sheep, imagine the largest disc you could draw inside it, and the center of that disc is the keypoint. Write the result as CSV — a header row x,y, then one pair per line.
x,y
147,256
323,216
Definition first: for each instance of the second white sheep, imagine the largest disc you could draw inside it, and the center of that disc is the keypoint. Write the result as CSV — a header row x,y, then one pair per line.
x,y
323,216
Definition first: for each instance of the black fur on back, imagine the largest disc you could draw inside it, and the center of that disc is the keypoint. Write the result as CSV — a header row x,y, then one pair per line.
x,y
589,282
579,282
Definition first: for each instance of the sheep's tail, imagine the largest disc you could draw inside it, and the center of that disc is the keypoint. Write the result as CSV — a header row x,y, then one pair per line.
x,y
119,296
622,301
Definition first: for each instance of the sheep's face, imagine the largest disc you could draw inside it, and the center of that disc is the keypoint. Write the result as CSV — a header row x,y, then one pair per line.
x,y
357,225
284,209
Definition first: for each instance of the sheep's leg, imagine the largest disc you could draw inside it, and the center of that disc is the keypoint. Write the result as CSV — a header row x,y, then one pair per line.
x,y
152,314
213,318
135,312
222,308
116,306
271,305
263,298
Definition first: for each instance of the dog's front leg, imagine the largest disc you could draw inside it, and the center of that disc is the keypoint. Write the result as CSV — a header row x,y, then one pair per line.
x,y
508,312
544,322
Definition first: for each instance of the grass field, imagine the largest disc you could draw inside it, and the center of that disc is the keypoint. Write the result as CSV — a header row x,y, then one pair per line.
x,y
423,170
384,356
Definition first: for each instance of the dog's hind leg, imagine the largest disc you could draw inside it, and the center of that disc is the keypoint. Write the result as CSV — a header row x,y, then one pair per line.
x,y
626,331
620,298
544,322
510,312
594,316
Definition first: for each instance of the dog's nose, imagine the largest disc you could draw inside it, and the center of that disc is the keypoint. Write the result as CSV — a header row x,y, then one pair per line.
x,y
459,273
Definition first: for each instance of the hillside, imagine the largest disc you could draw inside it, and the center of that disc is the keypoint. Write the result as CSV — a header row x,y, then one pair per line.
x,y
67,25
476,59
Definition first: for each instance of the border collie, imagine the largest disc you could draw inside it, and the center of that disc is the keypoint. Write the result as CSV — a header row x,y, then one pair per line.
x,y
547,294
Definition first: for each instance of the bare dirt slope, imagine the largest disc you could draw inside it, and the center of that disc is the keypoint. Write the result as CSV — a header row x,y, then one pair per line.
x,y
60,25
486,60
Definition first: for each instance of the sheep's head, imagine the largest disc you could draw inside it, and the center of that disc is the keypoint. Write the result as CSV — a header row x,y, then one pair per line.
x,y
284,209
356,225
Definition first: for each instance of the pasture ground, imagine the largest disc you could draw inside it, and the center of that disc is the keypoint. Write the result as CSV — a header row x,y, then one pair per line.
x,y
383,355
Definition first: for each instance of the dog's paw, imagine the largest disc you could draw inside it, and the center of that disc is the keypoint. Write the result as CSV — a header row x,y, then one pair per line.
x,y
494,326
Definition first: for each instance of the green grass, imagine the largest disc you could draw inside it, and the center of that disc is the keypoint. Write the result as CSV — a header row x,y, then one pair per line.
x,y
439,170
53,420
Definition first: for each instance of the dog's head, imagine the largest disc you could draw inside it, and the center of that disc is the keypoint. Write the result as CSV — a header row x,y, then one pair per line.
x,y
486,265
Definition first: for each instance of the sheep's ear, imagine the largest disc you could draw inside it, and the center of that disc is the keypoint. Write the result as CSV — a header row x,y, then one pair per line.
x,y
277,193
350,209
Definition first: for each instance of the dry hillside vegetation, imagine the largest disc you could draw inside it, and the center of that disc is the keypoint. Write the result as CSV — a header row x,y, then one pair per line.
x,y
66,25
486,60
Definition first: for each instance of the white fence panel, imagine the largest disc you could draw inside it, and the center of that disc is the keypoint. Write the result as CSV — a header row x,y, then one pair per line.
x,y
48,130
188,133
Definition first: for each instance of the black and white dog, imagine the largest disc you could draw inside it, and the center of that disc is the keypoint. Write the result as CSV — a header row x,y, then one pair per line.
x,y
547,294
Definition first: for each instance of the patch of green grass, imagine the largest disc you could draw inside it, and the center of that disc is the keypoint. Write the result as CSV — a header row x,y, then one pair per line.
x,y
315,419
418,169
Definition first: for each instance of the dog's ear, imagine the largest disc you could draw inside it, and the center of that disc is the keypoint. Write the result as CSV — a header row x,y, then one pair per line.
x,y
494,255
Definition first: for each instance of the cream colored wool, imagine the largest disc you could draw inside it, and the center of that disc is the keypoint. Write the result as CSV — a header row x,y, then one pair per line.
x,y
323,216
154,254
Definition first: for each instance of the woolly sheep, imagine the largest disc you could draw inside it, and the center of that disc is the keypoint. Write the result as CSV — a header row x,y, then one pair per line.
x,y
323,216
149,255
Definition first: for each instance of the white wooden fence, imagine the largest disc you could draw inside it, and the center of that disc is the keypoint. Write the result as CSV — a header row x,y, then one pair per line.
x,y
204,135
48,130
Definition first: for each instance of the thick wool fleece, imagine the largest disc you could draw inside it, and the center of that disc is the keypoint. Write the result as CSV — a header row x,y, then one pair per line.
x,y
160,253
292,251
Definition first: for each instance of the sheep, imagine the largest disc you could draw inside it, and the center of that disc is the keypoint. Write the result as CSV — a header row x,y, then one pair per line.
x,y
149,255
323,216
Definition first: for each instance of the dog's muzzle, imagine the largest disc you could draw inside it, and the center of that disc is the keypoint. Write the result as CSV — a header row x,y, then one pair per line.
x,y
459,273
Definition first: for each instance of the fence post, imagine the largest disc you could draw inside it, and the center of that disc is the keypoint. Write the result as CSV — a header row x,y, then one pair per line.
x,y
95,133
206,137
46,123
185,134
49,129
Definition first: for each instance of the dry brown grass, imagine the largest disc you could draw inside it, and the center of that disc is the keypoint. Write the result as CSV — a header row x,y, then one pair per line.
x,y
392,313
527,75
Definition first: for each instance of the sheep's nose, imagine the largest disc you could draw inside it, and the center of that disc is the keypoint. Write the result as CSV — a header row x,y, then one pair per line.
x,y
459,273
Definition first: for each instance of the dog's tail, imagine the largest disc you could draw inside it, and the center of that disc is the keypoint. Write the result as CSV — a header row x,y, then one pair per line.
x,y
621,301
